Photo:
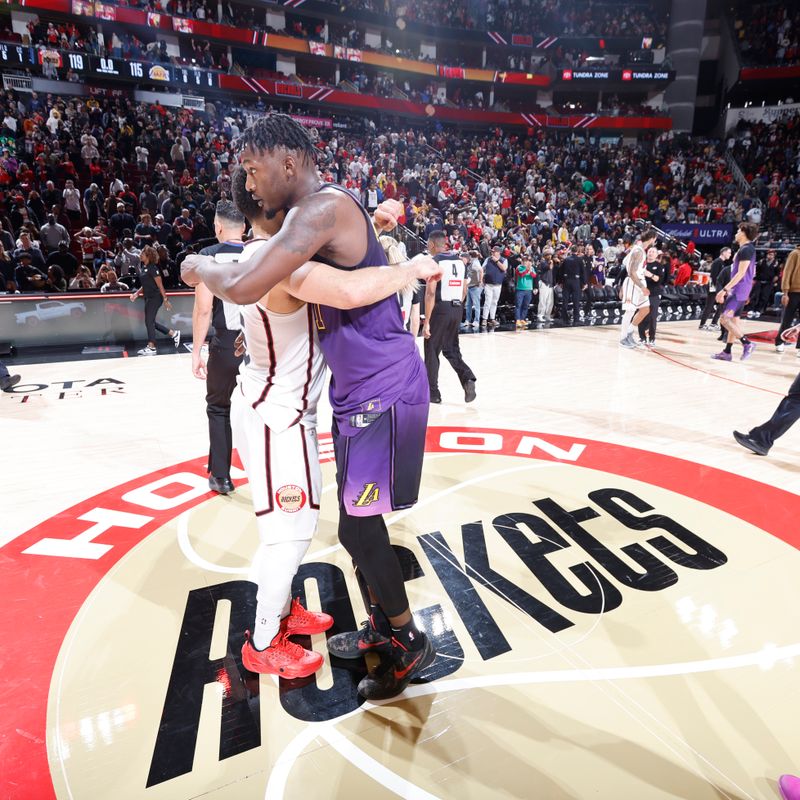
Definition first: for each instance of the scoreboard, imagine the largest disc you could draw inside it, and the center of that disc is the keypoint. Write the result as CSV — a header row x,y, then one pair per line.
x,y
24,57
147,72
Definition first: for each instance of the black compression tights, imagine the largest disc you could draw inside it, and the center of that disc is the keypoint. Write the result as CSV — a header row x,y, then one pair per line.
x,y
366,539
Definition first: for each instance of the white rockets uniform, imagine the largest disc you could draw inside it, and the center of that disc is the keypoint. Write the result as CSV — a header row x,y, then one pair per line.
x,y
274,417
632,295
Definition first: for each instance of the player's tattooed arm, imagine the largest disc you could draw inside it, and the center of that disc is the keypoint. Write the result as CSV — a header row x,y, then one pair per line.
x,y
309,227
633,269
320,283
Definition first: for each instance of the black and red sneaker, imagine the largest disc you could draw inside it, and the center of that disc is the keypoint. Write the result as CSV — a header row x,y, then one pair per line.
x,y
392,676
354,644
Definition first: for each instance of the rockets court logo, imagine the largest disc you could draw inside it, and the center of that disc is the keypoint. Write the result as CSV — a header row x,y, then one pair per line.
x,y
558,578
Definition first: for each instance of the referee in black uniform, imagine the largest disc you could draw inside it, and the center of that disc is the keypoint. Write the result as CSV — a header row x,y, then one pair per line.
x,y
223,365
444,309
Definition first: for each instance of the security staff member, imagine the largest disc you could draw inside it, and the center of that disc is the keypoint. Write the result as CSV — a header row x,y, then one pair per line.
x,y
656,274
444,301
713,287
223,365
574,279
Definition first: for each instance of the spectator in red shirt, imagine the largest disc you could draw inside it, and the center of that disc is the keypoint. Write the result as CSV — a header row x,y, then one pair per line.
x,y
184,226
684,274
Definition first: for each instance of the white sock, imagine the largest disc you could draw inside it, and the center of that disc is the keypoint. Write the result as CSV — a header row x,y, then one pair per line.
x,y
627,326
275,566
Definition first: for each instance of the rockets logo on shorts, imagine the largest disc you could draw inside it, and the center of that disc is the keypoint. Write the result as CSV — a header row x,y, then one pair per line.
x,y
290,498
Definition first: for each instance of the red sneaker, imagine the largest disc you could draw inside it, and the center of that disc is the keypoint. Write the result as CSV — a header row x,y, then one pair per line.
x,y
282,657
301,620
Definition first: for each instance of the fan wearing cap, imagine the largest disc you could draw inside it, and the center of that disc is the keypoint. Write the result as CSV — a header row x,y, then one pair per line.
x,y
494,273
121,221
28,278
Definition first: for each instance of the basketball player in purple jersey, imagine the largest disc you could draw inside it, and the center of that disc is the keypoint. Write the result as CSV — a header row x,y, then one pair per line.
x,y
736,292
379,389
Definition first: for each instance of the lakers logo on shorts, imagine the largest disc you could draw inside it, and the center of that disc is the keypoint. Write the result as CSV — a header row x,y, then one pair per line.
x,y
369,494
290,498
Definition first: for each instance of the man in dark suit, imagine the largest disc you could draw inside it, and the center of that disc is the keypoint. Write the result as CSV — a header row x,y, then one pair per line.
x,y
574,279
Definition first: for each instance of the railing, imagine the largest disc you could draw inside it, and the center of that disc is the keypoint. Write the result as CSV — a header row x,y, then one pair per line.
x,y
737,173
473,175
196,103
19,83
414,244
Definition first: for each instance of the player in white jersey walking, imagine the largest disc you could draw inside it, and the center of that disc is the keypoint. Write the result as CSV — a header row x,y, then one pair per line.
x,y
635,294
274,416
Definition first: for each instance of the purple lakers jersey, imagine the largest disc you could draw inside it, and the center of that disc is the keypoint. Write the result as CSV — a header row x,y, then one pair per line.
x,y
374,361
746,254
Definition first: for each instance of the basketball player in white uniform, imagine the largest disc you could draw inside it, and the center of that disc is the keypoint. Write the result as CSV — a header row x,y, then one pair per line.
x,y
274,417
635,295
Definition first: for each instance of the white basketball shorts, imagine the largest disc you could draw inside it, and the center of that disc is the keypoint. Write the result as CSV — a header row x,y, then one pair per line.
x,y
283,471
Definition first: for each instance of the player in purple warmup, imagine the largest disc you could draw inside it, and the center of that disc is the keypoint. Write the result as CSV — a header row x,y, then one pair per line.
x,y
735,293
379,389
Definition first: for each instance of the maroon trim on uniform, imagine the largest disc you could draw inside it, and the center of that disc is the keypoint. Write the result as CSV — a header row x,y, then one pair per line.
x,y
309,366
272,365
311,502
268,470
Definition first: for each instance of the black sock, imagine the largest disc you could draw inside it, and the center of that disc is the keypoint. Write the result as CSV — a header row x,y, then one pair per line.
x,y
744,340
729,348
408,636
379,620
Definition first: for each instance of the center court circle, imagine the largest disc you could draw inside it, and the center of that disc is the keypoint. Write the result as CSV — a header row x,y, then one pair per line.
x,y
545,556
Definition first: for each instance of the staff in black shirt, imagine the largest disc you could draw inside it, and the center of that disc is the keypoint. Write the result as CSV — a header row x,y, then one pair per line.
x,y
152,288
574,278
715,283
656,274
222,367
765,284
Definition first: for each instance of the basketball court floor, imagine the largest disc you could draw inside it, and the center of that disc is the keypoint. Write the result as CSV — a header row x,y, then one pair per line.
x,y
611,582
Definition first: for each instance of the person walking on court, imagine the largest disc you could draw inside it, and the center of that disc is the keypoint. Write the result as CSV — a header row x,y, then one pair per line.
x,y
443,308
761,438
790,286
736,292
635,293
494,273
222,367
713,287
152,288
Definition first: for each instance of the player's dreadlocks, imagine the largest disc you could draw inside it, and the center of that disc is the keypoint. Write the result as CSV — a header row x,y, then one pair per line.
x,y
242,199
277,130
